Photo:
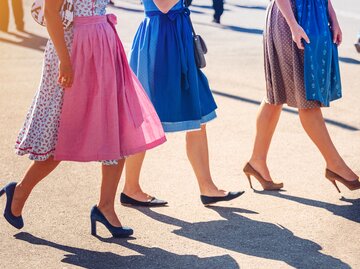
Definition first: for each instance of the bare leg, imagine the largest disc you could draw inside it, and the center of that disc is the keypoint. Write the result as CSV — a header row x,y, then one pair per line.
x,y
198,154
4,15
110,180
267,119
313,122
132,184
35,173
18,11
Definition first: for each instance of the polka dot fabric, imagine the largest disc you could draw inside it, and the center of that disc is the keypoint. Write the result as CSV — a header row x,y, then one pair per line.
x,y
284,63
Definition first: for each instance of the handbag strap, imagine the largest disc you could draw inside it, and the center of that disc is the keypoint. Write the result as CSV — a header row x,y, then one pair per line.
x,y
191,24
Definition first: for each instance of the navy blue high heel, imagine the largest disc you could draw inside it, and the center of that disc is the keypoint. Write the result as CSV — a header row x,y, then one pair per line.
x,y
9,189
118,232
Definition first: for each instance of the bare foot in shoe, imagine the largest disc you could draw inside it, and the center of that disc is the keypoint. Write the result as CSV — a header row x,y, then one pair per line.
x,y
343,170
139,196
261,167
214,192
111,216
17,202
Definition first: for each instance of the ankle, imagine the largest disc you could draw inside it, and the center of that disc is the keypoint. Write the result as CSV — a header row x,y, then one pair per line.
x,y
335,164
258,161
132,190
21,190
208,187
106,206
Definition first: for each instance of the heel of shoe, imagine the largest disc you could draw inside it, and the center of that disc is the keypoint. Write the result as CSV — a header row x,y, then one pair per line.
x,y
2,191
334,183
93,227
249,179
357,46
97,216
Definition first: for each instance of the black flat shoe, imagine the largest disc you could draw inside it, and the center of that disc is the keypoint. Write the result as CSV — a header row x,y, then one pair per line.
x,y
126,200
216,21
209,200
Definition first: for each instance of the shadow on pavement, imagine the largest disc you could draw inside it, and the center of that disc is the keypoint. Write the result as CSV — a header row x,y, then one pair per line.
x,y
288,110
196,11
349,211
349,60
251,237
207,7
28,40
148,257
250,7
233,28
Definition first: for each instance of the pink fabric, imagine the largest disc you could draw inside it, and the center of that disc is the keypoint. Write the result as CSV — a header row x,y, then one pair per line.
x,y
106,114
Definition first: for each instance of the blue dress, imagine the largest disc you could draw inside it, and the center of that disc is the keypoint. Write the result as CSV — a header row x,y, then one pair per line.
x,y
321,63
162,57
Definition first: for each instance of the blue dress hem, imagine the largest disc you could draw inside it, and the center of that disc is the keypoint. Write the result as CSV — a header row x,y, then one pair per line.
x,y
170,127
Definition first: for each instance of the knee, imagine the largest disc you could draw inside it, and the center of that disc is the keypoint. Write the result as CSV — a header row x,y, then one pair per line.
x,y
196,134
48,162
270,110
308,111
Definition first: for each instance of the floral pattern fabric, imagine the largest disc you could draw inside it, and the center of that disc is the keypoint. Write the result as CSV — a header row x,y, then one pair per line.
x,y
38,135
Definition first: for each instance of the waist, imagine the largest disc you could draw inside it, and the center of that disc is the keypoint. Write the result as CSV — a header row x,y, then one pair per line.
x,y
172,12
84,20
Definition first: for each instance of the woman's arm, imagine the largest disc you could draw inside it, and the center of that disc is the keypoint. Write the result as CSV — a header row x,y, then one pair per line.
x,y
335,27
165,5
55,28
297,31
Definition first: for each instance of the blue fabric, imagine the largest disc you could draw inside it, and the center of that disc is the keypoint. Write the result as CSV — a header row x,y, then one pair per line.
x,y
162,57
321,63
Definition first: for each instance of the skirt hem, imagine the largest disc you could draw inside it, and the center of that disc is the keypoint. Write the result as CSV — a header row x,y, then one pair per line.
x,y
69,157
170,127
34,156
319,105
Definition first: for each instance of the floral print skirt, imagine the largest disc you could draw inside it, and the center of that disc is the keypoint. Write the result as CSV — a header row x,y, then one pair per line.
x,y
38,135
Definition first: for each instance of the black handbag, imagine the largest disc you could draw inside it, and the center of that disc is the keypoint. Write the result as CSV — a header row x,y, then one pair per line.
x,y
200,48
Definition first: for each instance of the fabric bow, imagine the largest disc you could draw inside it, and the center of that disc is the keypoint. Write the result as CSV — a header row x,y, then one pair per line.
x,y
112,18
173,14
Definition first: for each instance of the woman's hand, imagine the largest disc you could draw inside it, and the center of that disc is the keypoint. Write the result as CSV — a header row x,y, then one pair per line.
x,y
298,34
335,27
66,76
336,33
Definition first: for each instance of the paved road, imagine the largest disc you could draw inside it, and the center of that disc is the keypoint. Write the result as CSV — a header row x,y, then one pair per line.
x,y
307,226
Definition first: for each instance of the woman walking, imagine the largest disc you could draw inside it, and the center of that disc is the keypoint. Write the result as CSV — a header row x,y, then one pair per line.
x,y
162,57
18,11
89,107
306,81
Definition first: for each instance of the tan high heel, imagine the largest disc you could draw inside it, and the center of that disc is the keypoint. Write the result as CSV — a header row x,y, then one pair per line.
x,y
267,185
333,177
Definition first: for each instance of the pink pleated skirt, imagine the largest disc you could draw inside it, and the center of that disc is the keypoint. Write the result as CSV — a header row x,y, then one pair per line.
x,y
106,114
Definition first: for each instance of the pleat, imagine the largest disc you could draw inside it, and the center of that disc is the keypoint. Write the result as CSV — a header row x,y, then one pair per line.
x,y
106,115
